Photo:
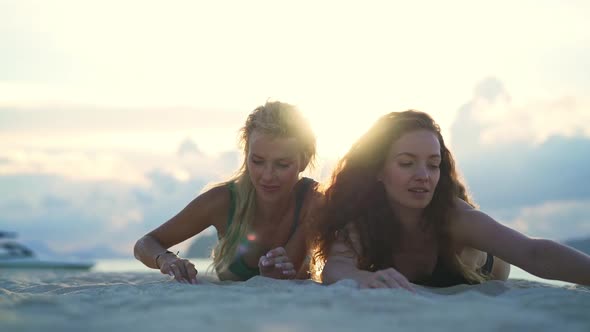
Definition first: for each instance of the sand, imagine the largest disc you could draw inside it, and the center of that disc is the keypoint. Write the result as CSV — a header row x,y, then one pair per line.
x,y
50,301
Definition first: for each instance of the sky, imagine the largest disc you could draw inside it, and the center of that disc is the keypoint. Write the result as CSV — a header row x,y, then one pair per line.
x,y
114,114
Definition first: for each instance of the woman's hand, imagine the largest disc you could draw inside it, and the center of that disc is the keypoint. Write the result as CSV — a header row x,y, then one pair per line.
x,y
276,264
181,269
388,278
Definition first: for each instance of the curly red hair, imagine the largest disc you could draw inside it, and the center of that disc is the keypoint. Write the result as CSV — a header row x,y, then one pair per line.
x,y
356,198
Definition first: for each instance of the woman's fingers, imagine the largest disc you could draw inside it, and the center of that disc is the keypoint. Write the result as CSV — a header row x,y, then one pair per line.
x,y
176,273
285,266
276,264
275,261
266,262
376,283
191,272
400,279
407,285
278,251
262,262
183,271
371,282
388,278
282,263
289,273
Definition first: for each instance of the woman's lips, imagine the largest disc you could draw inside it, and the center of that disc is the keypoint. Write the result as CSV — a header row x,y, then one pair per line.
x,y
269,188
419,193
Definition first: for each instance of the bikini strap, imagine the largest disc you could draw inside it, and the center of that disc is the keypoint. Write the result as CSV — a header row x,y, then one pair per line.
x,y
232,203
299,198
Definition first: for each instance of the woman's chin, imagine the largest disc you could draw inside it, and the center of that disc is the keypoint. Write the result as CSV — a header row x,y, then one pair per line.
x,y
268,196
414,204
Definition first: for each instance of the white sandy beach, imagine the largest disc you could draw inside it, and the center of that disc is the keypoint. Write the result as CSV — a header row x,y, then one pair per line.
x,y
136,301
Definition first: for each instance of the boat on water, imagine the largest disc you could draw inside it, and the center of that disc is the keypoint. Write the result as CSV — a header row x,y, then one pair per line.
x,y
16,255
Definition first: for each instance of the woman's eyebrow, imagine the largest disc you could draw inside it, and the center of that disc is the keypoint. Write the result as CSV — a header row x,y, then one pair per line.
x,y
415,156
283,159
405,154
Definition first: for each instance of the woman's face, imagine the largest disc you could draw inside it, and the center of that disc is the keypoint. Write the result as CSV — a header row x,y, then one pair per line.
x,y
274,164
411,169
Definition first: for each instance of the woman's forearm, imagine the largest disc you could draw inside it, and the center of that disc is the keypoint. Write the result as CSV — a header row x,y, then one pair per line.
x,y
146,251
552,260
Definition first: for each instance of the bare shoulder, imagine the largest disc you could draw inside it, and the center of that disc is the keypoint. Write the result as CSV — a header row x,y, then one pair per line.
x,y
216,196
466,222
312,198
462,215
476,229
215,203
208,209
314,195
462,205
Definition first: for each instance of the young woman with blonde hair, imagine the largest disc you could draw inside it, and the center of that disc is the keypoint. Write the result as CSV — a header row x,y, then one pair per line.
x,y
258,213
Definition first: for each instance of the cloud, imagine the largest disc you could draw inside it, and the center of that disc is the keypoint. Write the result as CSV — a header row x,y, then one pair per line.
x,y
93,164
68,185
557,220
508,159
188,147
526,165
71,215
77,165
522,174
492,118
80,199
62,202
123,220
82,118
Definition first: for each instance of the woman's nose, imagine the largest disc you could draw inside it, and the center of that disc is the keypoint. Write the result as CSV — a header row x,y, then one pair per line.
x,y
267,172
421,173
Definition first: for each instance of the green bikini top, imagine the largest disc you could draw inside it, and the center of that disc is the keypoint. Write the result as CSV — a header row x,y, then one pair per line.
x,y
239,267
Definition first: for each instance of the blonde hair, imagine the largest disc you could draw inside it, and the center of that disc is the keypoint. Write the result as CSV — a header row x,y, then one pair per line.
x,y
278,120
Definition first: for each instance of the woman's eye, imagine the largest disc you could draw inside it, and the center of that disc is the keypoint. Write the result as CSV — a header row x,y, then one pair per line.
x,y
434,166
405,163
283,165
257,162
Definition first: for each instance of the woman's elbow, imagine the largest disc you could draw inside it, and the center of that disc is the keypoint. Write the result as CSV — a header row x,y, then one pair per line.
x,y
136,250
140,247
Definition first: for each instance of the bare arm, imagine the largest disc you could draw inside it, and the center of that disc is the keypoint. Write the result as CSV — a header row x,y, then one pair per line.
x,y
296,251
342,264
290,261
543,258
557,261
205,210
147,250
285,262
